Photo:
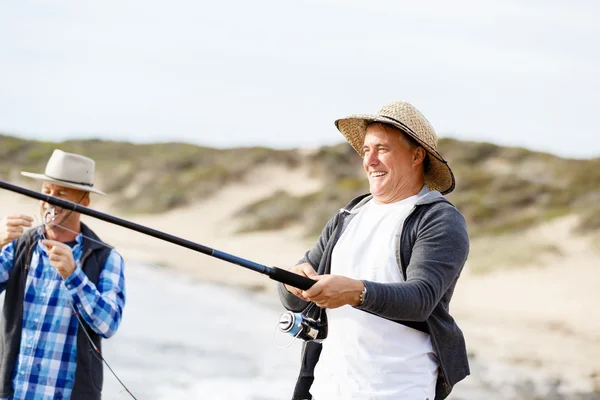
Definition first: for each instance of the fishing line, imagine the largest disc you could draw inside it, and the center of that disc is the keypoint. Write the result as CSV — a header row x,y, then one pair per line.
x,y
287,345
41,229
87,237
96,351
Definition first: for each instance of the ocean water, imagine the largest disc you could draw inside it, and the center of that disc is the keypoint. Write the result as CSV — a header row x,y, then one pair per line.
x,y
181,339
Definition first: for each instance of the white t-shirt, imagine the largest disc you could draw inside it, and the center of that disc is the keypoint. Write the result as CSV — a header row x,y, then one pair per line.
x,y
366,356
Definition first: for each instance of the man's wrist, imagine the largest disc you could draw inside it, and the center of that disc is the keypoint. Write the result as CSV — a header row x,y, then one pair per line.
x,y
76,279
361,291
362,295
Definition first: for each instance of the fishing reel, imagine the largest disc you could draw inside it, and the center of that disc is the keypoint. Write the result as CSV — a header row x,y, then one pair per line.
x,y
301,326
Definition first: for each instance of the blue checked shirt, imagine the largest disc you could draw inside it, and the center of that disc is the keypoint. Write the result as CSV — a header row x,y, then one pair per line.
x,y
45,367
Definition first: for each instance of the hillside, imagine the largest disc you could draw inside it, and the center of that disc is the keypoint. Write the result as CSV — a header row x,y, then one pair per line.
x,y
499,189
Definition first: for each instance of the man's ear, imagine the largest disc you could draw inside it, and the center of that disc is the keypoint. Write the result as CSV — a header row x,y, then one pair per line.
x,y
86,200
418,156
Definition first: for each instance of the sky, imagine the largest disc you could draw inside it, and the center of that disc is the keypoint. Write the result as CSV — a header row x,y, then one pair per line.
x,y
278,73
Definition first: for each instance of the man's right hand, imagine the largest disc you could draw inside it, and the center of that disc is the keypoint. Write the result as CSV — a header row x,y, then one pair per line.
x,y
12,227
304,270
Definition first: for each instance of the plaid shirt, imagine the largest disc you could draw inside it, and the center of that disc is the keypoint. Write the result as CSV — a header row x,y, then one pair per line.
x,y
45,367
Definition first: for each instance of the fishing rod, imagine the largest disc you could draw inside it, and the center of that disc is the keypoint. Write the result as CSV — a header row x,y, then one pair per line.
x,y
276,274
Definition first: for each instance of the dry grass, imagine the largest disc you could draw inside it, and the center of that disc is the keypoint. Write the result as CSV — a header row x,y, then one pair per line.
x,y
499,189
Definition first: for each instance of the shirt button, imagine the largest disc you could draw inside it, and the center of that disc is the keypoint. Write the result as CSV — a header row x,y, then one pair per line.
x,y
36,320
29,345
22,372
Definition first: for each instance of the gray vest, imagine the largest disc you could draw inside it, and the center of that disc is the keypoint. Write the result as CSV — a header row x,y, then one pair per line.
x,y
89,371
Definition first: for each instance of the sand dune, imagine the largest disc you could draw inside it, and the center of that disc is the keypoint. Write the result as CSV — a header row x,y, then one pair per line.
x,y
210,223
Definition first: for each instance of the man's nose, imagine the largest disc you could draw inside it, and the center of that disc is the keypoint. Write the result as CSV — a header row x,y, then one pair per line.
x,y
371,158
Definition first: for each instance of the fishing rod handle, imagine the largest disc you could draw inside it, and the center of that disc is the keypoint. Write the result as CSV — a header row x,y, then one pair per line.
x,y
290,278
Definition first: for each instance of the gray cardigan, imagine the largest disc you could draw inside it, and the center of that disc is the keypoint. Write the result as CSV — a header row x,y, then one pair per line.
x,y
432,248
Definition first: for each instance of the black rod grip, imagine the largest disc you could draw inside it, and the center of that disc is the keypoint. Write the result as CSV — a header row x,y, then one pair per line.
x,y
290,278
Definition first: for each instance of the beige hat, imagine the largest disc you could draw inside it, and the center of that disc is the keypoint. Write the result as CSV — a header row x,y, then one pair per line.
x,y
409,120
69,170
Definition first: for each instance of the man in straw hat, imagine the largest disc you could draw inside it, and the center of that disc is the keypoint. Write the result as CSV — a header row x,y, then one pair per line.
x,y
386,266
50,276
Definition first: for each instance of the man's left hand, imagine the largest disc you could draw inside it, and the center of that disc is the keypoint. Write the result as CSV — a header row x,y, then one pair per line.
x,y
333,291
61,257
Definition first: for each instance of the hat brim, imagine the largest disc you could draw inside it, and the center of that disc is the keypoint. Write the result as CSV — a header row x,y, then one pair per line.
x,y
46,178
439,176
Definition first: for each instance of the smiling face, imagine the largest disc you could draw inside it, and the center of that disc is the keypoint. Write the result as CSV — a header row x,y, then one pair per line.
x,y
392,164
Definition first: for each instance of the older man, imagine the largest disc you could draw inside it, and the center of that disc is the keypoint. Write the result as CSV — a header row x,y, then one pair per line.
x,y
386,267
50,276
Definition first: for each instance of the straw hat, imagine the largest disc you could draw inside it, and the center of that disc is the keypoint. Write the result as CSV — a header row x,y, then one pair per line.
x,y
409,120
68,170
